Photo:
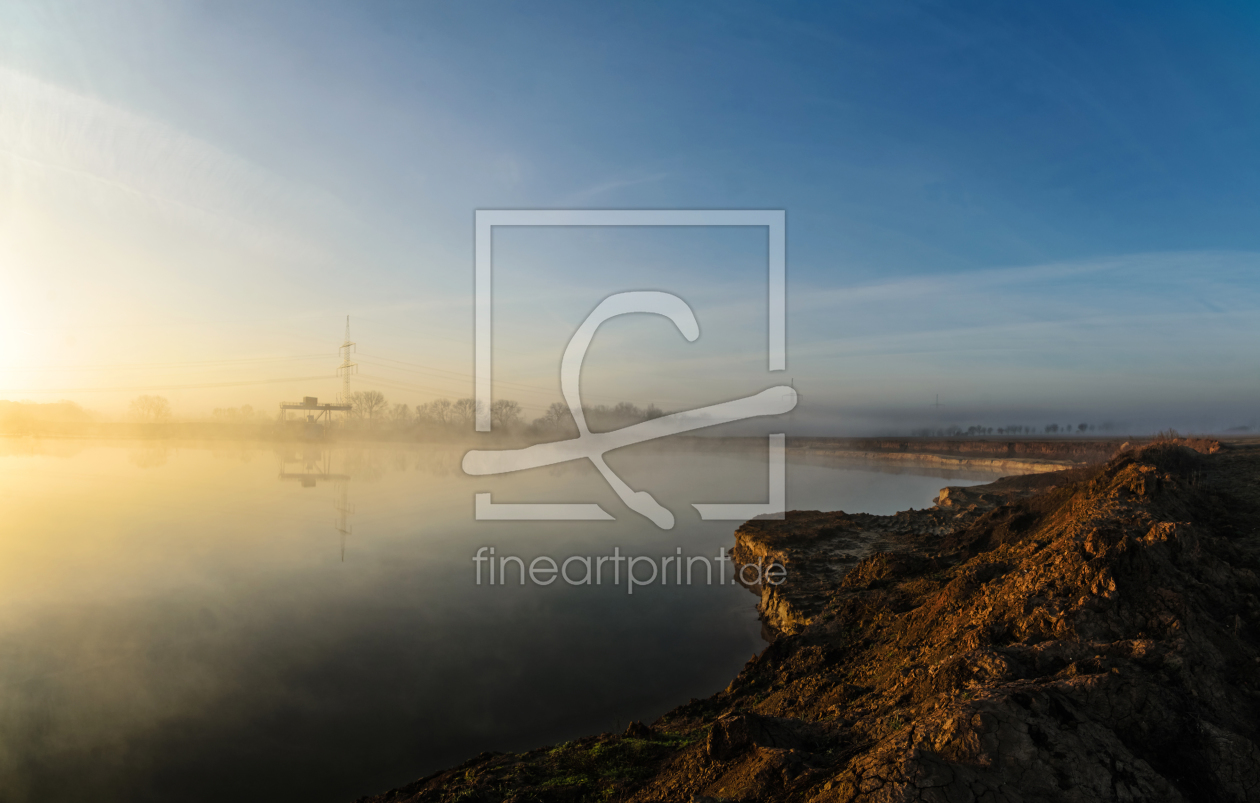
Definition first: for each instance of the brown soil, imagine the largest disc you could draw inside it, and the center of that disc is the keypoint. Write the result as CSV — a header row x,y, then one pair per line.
x,y
1088,635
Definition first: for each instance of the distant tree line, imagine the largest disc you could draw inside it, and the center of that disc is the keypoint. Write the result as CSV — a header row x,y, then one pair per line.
x,y
149,409
22,417
1012,429
600,418
245,414
371,410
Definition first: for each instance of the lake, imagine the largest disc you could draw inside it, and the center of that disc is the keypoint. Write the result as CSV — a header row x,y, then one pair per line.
x,y
189,622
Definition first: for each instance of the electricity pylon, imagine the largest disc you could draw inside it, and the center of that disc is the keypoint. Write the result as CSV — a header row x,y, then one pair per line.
x,y
346,368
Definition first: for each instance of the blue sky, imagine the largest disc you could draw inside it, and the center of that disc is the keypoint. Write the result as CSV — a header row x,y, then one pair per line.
x,y
1037,212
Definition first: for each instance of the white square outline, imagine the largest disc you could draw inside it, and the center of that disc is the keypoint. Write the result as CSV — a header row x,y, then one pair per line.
x,y
776,224
486,219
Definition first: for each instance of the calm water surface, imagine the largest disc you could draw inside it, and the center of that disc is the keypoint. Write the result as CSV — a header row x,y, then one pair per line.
x,y
253,622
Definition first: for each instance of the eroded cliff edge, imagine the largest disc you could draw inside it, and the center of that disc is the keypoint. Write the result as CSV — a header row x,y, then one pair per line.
x,y
1088,635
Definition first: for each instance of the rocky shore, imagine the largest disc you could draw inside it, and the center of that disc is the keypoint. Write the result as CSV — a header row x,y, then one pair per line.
x,y
1091,634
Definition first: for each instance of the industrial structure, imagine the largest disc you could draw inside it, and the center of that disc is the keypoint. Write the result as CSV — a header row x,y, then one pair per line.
x,y
320,416
317,465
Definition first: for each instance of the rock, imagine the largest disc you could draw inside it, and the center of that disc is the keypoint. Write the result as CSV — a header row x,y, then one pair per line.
x,y
732,735
637,730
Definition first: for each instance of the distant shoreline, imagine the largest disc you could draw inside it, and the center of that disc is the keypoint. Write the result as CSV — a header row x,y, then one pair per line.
x,y
1014,455
941,460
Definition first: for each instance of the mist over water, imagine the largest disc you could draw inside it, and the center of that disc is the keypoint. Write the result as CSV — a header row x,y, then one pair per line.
x,y
180,622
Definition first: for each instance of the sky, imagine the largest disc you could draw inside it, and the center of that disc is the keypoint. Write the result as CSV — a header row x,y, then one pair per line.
x,y
1037,213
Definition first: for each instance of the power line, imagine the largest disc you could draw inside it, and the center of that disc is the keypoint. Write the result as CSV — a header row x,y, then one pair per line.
x,y
398,385
235,361
454,375
200,386
467,377
417,365
436,373
395,384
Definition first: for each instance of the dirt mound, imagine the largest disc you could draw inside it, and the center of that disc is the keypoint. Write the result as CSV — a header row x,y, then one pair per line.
x,y
1094,637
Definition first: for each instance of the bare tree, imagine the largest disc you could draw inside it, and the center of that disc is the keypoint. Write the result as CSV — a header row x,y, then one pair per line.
x,y
400,416
236,415
438,411
504,413
464,410
150,408
556,416
366,403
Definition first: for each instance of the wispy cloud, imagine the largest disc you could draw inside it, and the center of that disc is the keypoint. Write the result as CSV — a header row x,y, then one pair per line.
x,y
590,193
1219,275
48,134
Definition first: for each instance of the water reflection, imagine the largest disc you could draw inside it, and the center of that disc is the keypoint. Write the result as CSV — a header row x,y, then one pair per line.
x,y
316,466
150,455
313,464
157,643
